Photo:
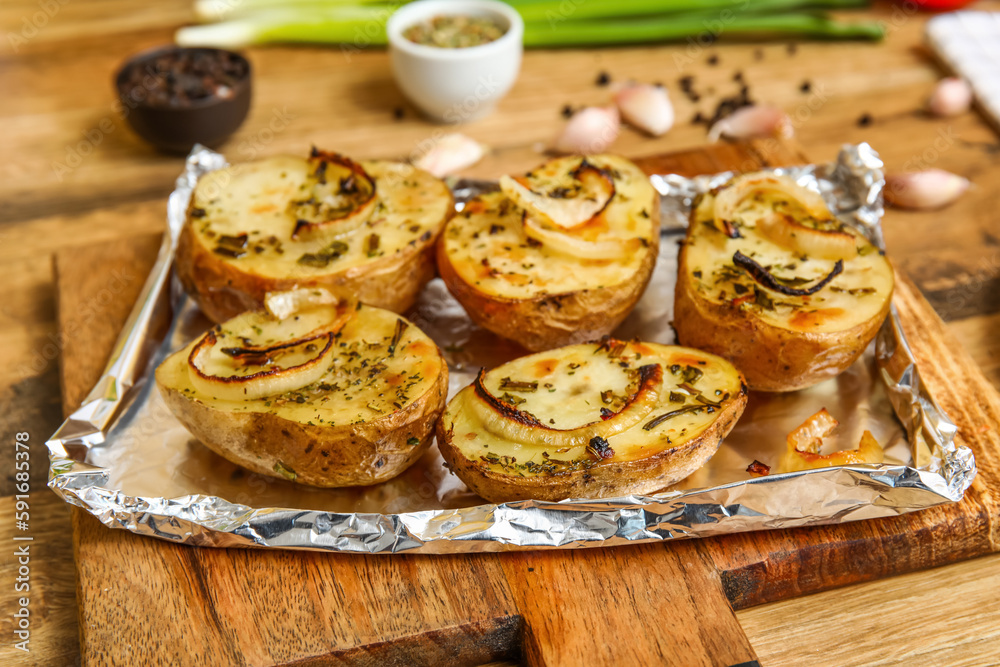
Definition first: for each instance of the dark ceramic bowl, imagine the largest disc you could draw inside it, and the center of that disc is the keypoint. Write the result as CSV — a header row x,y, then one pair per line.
x,y
205,108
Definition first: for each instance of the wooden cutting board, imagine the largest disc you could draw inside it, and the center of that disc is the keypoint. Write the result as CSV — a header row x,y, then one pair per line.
x,y
144,601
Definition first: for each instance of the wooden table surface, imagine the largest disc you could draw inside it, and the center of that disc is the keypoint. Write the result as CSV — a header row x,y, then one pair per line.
x,y
73,174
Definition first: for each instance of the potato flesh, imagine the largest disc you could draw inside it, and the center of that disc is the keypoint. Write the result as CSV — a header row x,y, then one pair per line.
x,y
363,382
257,199
857,295
578,375
490,229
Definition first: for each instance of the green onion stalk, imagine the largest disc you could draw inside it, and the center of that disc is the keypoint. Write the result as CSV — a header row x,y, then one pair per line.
x,y
548,23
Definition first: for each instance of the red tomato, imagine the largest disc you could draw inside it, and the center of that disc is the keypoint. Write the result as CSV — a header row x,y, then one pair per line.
x,y
939,5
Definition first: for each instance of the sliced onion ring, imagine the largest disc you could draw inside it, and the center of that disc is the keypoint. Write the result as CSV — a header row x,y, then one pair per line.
x,y
783,229
729,198
576,247
270,382
595,190
808,241
868,451
507,421
363,199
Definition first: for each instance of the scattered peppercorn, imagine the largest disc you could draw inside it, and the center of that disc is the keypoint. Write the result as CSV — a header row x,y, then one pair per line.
x,y
806,86
567,111
179,78
713,60
864,120
603,79
398,113
738,76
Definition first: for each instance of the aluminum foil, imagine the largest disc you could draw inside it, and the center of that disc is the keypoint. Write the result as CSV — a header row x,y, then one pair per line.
x,y
125,459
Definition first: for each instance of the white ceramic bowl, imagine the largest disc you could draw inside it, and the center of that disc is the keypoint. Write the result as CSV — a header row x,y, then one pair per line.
x,y
455,85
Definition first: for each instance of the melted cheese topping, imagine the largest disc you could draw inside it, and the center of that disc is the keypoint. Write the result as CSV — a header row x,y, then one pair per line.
x,y
855,296
487,245
363,381
260,198
573,384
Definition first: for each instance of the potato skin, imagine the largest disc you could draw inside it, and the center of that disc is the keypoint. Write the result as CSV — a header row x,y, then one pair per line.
x,y
604,480
552,320
323,456
223,291
771,358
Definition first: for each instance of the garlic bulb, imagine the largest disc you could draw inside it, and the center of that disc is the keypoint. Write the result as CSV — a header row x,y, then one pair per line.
x,y
590,130
646,107
929,189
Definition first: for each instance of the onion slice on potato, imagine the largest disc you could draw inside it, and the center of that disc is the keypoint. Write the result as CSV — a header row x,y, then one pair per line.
x,y
572,200
781,228
340,201
576,247
265,355
269,380
804,240
505,420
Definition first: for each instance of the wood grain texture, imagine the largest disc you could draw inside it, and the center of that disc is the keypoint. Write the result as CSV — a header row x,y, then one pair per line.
x,y
829,630
637,605
52,584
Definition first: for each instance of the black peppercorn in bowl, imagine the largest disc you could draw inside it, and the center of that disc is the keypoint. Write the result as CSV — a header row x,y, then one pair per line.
x,y
175,97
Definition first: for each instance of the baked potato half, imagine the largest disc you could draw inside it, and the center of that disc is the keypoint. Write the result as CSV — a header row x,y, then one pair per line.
x,y
364,231
559,256
331,394
593,420
769,279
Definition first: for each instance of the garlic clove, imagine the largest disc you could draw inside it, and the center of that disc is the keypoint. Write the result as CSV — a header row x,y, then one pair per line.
x,y
929,189
449,154
952,96
753,121
646,107
590,130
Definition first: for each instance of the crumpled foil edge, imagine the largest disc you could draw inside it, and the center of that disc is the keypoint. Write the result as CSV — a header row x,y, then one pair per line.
x,y
852,186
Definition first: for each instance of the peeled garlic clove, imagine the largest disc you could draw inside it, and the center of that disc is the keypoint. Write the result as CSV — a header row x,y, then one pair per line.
x,y
753,121
450,153
646,107
952,96
929,189
590,130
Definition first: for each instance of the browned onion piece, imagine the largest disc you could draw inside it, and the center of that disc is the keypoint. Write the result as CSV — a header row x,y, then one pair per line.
x,y
764,277
558,208
520,426
341,209
730,197
823,243
269,382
